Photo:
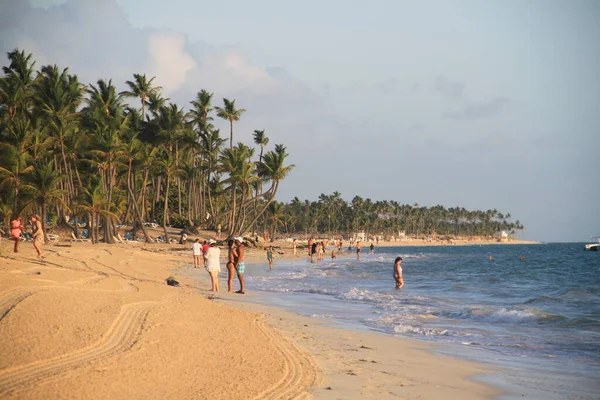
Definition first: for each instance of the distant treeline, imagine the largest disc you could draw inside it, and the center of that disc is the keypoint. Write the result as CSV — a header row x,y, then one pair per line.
x,y
331,215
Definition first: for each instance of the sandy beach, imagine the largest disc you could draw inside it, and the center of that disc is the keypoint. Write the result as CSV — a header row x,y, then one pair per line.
x,y
99,321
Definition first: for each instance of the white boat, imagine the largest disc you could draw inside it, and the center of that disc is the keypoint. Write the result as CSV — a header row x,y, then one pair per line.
x,y
593,246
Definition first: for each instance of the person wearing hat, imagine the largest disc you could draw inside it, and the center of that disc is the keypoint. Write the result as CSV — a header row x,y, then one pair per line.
x,y
239,263
213,264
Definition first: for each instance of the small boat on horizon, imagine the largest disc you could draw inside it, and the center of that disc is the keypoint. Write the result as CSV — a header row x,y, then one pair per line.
x,y
593,246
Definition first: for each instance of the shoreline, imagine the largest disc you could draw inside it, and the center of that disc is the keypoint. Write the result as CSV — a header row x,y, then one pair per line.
x,y
173,344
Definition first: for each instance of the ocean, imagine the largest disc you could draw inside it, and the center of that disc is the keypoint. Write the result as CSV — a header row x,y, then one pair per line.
x,y
537,318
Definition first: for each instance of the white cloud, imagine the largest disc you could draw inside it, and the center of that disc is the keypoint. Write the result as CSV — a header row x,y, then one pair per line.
x,y
167,59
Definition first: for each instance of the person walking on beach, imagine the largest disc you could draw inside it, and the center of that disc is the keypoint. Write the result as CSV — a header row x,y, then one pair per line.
x,y
232,255
310,243
197,253
358,250
398,273
37,234
270,257
294,248
15,232
239,263
213,264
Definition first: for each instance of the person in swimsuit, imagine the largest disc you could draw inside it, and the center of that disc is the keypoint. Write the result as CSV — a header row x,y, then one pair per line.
x,y
310,244
313,250
358,250
332,255
270,257
372,248
231,257
239,263
294,247
38,234
15,232
398,273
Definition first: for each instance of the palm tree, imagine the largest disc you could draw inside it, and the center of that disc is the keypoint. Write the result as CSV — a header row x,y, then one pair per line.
x,y
261,140
229,113
58,95
93,202
15,86
141,87
199,114
234,162
272,169
41,184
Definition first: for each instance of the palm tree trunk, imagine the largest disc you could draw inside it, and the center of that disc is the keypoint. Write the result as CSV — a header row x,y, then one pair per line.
x,y
166,209
139,217
274,189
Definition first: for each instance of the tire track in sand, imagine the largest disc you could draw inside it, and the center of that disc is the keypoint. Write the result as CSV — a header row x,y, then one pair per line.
x,y
10,299
121,336
299,371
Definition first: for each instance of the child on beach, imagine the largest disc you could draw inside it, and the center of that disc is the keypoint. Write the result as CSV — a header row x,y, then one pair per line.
x,y
332,255
15,232
197,253
270,257
398,273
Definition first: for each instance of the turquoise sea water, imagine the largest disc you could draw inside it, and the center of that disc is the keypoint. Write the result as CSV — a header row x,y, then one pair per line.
x,y
539,318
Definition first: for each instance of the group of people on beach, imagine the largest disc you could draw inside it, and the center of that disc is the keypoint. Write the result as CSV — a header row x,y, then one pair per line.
x,y
209,254
18,233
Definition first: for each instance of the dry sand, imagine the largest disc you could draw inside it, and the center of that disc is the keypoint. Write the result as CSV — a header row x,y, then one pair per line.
x,y
99,321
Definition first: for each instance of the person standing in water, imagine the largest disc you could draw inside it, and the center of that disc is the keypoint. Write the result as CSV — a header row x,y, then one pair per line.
x,y
239,263
38,234
213,264
372,248
358,250
270,256
398,273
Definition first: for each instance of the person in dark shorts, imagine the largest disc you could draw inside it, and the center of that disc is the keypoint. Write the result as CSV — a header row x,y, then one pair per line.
x,y
358,250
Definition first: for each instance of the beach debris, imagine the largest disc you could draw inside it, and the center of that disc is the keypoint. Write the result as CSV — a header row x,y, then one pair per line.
x,y
328,388
172,282
365,347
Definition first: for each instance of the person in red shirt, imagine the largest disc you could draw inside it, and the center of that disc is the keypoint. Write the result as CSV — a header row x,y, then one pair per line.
x,y
205,247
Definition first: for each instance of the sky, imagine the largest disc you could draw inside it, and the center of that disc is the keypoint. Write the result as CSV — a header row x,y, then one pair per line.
x,y
476,104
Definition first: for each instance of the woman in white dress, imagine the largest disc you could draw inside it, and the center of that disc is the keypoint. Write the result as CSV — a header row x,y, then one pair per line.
x,y
213,264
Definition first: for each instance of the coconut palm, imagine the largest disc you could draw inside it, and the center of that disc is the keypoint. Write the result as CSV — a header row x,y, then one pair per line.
x,y
93,202
261,140
41,185
231,114
57,98
199,114
141,87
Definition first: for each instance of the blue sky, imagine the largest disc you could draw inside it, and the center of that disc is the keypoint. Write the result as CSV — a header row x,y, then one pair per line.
x,y
472,103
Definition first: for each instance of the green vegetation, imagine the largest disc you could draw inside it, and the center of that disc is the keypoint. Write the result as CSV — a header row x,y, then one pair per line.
x,y
332,216
72,151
